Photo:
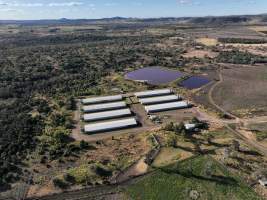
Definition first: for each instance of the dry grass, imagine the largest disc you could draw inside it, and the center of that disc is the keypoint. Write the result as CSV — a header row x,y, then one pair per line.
x,y
207,41
258,28
245,89
170,155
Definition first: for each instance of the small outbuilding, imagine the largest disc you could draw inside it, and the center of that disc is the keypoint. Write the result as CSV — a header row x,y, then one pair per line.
x,y
263,182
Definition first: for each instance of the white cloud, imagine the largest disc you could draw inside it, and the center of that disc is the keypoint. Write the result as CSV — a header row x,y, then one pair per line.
x,y
66,4
111,4
52,4
25,4
8,10
188,2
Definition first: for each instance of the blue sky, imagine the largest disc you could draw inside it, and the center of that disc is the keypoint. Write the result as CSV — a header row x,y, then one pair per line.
x,y
54,9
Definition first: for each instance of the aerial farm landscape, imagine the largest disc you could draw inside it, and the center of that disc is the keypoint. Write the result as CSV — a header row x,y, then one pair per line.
x,y
122,108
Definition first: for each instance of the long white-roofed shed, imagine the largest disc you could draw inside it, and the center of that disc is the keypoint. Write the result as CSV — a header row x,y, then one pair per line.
x,y
152,93
160,99
103,99
109,126
107,115
166,106
104,107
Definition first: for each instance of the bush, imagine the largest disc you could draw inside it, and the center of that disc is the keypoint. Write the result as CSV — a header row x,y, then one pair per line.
x,y
59,183
169,127
102,171
84,145
69,178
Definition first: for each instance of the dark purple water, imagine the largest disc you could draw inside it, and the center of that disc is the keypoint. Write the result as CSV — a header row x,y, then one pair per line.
x,y
154,75
195,82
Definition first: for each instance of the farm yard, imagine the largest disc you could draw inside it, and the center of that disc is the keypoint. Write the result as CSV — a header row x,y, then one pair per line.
x,y
209,67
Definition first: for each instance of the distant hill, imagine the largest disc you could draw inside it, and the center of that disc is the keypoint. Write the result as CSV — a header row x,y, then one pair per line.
x,y
211,20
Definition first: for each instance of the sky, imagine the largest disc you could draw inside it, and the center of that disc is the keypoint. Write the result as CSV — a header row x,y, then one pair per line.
x,y
94,9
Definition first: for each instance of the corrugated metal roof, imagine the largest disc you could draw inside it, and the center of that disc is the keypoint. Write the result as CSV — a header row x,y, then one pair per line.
x,y
106,126
150,93
190,126
102,99
166,106
106,115
159,99
104,106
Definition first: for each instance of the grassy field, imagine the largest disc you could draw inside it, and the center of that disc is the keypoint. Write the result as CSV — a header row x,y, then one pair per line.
x,y
200,176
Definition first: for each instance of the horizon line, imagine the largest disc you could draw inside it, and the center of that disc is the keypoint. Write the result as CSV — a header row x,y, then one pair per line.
x,y
63,18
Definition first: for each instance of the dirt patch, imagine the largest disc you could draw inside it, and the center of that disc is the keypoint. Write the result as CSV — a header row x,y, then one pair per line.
x,y
141,167
137,169
38,191
207,41
170,155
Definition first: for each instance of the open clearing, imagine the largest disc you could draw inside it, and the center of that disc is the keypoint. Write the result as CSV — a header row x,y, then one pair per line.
x,y
170,155
245,89
208,41
189,178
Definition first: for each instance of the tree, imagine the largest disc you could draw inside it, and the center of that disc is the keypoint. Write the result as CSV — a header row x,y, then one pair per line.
x,y
236,145
180,128
59,183
195,120
172,141
83,144
208,169
169,127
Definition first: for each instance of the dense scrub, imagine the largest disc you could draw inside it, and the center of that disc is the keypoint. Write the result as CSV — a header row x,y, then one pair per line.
x,y
238,57
242,40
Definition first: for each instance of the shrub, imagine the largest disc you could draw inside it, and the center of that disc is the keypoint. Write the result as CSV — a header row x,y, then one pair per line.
x,y
83,144
59,183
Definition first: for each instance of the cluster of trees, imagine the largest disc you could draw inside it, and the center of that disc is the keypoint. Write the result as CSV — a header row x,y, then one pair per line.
x,y
242,40
239,57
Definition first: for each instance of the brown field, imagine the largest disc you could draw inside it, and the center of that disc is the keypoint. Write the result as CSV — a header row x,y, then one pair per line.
x,y
207,41
259,29
243,90
224,32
